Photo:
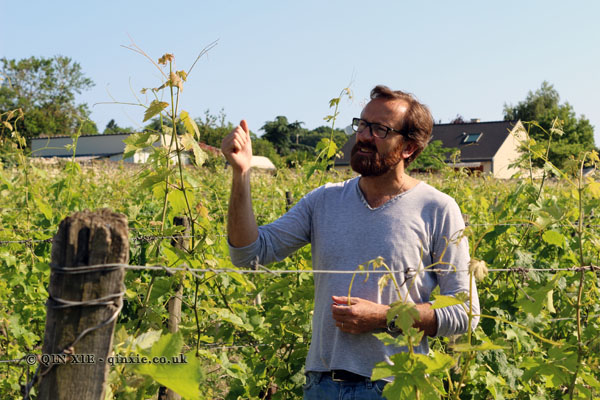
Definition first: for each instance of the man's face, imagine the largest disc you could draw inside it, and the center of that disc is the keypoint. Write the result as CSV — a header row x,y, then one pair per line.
x,y
372,156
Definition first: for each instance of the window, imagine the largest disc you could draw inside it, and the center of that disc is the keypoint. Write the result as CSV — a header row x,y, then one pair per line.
x,y
471,137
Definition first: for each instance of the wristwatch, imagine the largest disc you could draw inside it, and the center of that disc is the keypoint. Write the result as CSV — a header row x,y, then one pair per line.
x,y
391,326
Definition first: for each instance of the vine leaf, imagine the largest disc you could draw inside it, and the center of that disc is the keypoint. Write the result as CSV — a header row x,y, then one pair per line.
x,y
445,301
190,125
555,238
189,143
154,109
181,372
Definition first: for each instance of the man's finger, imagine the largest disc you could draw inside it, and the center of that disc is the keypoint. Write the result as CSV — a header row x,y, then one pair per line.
x,y
340,311
244,126
343,300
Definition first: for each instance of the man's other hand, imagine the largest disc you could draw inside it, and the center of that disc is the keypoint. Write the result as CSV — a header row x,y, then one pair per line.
x,y
360,316
237,147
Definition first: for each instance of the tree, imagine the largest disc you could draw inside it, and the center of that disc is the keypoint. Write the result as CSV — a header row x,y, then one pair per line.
x,y
432,158
313,137
280,133
458,119
113,127
213,128
543,107
45,89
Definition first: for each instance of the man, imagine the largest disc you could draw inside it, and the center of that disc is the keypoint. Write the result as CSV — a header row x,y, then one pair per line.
x,y
382,213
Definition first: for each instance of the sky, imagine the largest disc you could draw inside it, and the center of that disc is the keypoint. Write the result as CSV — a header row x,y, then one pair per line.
x,y
290,58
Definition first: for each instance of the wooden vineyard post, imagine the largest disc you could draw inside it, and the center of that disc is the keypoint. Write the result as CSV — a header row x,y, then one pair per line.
x,y
175,301
174,305
180,242
83,305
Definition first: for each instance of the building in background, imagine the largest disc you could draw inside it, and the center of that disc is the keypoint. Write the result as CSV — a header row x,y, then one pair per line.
x,y
89,147
487,147
111,147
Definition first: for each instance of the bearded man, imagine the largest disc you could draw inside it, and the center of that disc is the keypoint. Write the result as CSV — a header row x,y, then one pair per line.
x,y
385,213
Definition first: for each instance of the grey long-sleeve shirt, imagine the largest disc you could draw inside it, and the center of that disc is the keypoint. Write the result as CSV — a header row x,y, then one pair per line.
x,y
410,232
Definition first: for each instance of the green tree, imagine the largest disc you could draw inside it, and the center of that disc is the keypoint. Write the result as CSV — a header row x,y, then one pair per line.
x,y
45,89
113,127
280,132
313,137
543,106
432,158
213,128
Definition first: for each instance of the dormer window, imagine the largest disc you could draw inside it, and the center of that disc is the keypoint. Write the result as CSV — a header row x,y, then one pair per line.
x,y
471,137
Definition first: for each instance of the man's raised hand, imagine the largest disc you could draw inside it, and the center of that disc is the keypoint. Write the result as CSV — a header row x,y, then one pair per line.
x,y
237,147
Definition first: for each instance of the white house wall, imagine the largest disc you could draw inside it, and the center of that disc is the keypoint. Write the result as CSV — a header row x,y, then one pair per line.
x,y
508,153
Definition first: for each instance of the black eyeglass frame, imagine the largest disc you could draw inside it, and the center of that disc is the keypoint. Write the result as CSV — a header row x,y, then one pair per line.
x,y
356,121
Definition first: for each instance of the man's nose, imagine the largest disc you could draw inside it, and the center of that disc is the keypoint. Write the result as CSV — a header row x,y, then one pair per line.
x,y
365,134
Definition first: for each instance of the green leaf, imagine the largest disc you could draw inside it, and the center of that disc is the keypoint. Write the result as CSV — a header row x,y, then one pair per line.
x,y
332,149
381,370
590,380
181,373
386,338
494,384
155,178
154,109
555,238
439,361
168,345
189,143
147,339
445,301
333,102
594,189
177,202
43,207
190,125
138,141
226,315
162,286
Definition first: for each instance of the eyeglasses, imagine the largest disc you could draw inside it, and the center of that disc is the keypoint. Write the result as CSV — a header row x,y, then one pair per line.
x,y
377,130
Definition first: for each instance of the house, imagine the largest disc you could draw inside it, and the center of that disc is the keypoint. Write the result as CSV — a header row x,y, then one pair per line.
x,y
111,147
489,147
93,147
263,163
89,147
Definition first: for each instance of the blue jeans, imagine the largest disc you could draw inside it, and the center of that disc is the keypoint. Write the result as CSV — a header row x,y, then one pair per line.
x,y
321,387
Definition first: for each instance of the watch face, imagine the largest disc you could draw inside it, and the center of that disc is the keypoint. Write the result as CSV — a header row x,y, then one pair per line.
x,y
392,328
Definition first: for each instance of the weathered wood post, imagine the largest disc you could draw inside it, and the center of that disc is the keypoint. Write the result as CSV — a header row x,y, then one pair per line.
x,y
174,305
83,304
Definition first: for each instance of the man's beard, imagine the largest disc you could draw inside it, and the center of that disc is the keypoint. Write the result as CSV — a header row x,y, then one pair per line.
x,y
373,164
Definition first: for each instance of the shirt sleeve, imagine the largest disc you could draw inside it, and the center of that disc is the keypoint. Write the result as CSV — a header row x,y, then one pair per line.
x,y
280,238
451,251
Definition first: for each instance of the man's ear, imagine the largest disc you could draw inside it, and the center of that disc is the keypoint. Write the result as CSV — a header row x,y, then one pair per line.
x,y
408,149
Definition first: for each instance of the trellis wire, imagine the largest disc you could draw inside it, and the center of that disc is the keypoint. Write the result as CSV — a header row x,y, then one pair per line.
x,y
261,269
148,238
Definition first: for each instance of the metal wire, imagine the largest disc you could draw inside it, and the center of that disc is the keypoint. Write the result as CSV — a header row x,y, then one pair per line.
x,y
141,238
264,270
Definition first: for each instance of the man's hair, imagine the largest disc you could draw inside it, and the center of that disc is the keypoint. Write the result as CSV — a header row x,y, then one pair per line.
x,y
417,123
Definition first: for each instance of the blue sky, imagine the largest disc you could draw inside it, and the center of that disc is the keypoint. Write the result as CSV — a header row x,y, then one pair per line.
x,y
290,58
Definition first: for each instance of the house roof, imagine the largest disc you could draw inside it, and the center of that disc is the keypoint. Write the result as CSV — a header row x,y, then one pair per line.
x,y
477,141
46,137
